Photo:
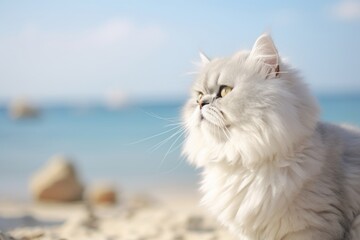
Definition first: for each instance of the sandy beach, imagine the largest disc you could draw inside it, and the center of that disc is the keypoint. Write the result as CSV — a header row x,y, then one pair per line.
x,y
138,216
60,204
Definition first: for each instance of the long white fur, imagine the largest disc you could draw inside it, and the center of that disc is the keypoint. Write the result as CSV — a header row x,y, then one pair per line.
x,y
271,169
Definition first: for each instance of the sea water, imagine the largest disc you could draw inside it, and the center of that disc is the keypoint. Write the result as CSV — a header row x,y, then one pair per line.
x,y
137,147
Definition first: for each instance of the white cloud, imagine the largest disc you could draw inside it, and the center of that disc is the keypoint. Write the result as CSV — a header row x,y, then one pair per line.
x,y
84,63
115,32
347,10
285,17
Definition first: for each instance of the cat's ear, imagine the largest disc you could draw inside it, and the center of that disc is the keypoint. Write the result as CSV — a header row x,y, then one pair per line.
x,y
264,51
204,59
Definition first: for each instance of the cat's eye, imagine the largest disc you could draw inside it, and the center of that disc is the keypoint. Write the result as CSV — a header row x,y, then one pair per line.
x,y
224,90
199,96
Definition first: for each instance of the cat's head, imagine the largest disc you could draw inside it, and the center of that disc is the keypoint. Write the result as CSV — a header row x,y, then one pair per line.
x,y
247,108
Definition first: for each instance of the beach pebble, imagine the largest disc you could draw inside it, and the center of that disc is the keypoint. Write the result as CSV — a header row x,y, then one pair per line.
x,y
103,195
57,181
28,233
4,236
179,237
139,201
195,223
202,236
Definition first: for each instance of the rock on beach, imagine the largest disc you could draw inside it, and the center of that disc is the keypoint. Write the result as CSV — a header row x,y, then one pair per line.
x,y
57,181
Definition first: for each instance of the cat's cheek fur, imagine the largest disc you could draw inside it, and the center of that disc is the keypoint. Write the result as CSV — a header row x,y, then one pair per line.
x,y
202,147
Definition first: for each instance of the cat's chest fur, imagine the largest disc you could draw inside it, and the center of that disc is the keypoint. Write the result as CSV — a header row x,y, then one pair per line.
x,y
258,202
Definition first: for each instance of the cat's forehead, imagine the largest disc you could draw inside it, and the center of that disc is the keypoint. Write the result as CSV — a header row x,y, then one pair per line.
x,y
212,73
218,72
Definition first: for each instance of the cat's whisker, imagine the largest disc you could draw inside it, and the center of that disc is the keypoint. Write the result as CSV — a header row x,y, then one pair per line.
x,y
171,146
177,147
161,143
159,117
174,124
181,160
227,134
218,132
218,125
153,136
185,131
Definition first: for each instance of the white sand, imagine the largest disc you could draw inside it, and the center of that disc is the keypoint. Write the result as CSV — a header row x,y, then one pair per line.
x,y
175,216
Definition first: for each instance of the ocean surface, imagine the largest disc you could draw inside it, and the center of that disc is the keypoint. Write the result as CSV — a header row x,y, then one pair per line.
x,y
136,147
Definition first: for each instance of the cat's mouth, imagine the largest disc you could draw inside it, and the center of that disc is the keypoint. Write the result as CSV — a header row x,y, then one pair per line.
x,y
212,116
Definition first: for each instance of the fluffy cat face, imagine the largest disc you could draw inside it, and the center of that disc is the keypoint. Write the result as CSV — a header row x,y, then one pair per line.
x,y
247,108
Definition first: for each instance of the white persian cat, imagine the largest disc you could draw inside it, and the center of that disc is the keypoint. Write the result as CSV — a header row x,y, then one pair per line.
x,y
271,169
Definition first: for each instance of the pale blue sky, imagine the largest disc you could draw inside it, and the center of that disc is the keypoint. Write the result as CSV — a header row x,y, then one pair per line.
x,y
87,50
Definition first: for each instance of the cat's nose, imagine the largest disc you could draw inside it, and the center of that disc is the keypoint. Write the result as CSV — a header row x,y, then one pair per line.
x,y
203,103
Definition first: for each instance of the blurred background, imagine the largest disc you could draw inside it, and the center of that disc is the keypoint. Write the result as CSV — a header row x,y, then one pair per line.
x,y
103,82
